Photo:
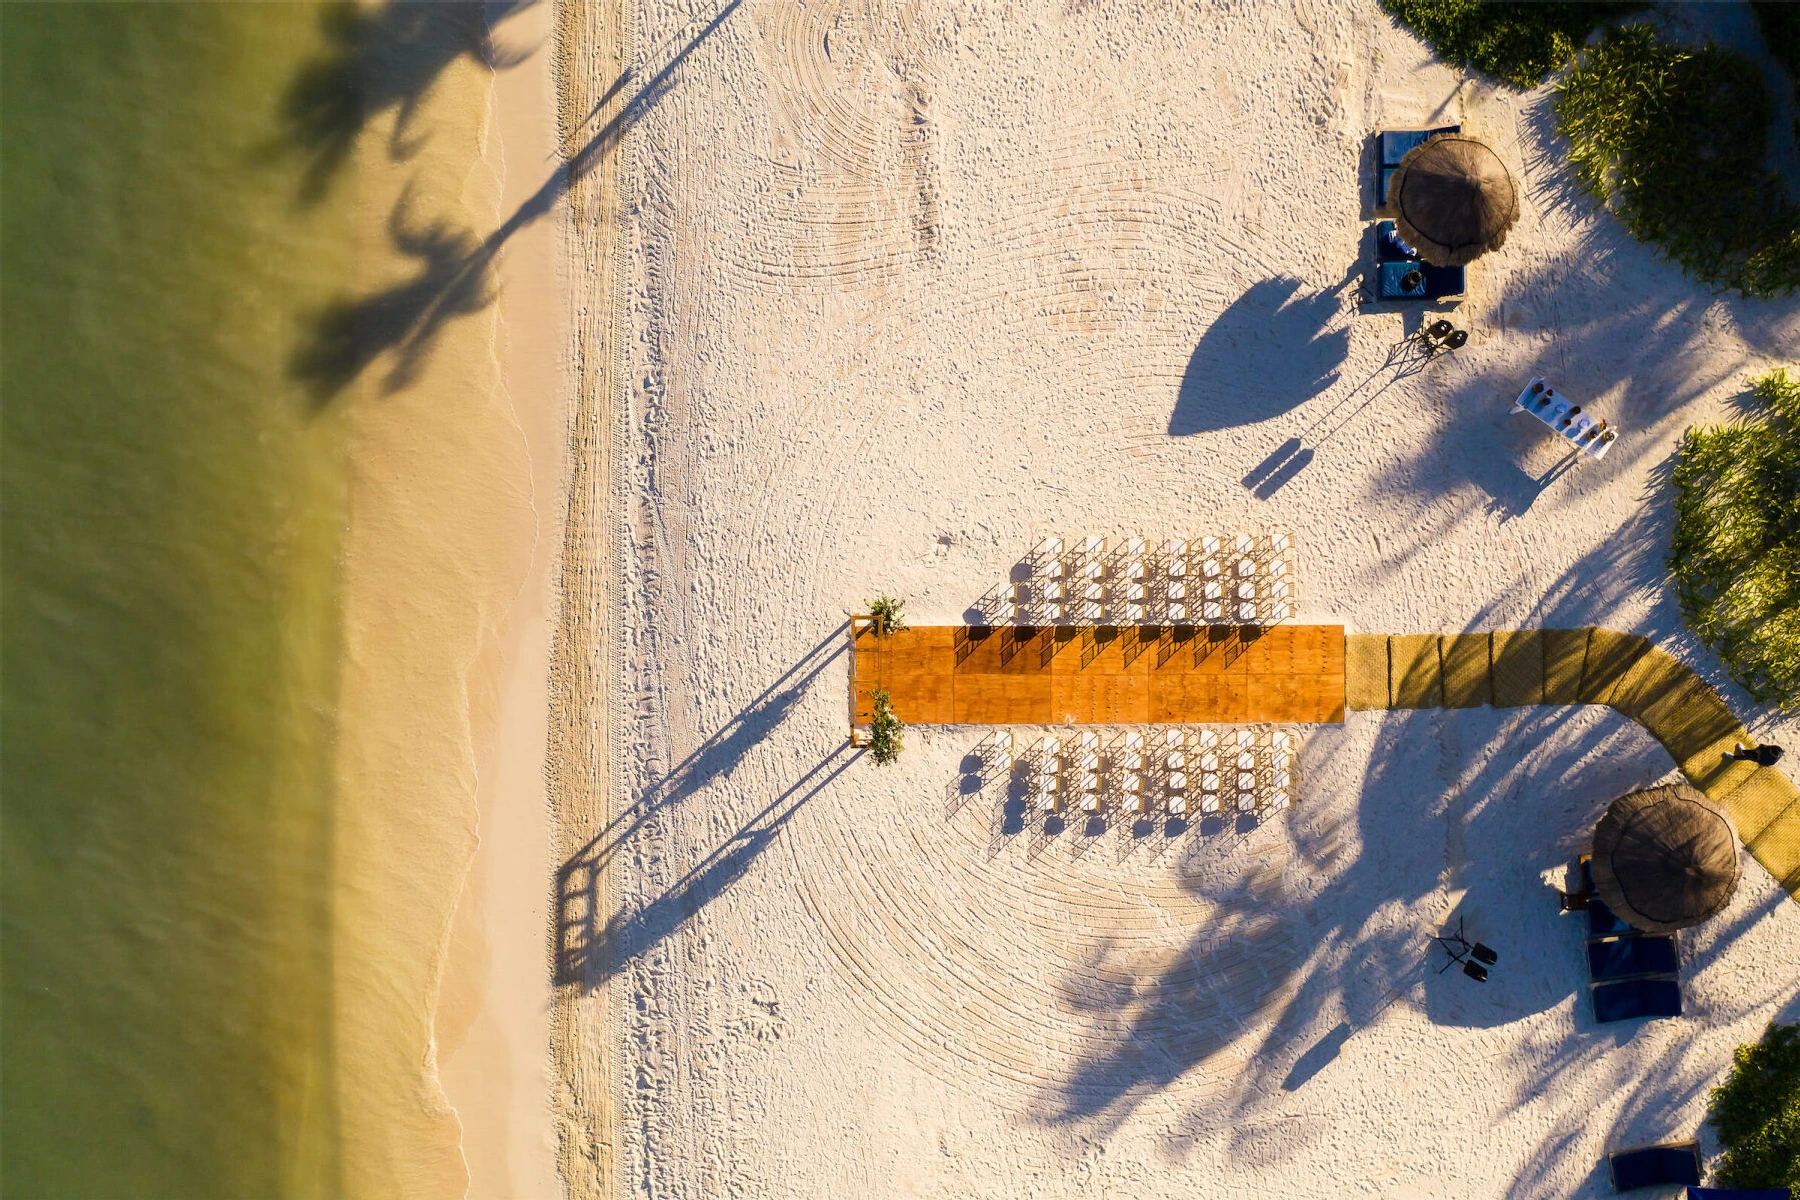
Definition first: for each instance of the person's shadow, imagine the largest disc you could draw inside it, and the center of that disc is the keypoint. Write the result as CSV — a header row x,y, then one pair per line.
x,y
1267,353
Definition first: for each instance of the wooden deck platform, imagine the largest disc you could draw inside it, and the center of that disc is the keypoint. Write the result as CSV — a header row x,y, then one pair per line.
x,y
1103,675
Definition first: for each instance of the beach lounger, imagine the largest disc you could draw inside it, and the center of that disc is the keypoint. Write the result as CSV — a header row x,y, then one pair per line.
x,y
1670,1164
1396,263
1620,958
1602,922
1636,999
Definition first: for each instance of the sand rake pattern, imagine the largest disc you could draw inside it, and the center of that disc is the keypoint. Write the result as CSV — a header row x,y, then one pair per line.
x,y
1228,579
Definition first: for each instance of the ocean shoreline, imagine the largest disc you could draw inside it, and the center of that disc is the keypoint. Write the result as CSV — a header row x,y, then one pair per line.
x,y
495,1069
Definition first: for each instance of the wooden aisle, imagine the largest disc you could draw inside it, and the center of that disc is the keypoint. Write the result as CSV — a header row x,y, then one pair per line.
x,y
1103,675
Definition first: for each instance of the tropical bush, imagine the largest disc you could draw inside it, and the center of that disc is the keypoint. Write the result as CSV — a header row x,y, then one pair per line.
x,y
1736,550
889,612
1518,44
1757,1113
1675,141
884,729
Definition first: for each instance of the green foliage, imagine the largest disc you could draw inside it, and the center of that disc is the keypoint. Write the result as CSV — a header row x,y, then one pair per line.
x,y
1780,24
1736,549
889,612
1675,141
885,729
1516,43
1757,1112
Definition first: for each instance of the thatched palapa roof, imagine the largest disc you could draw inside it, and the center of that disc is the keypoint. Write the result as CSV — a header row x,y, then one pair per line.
x,y
1665,858
1452,199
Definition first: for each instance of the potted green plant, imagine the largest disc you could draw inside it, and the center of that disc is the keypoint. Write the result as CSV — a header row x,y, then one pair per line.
x,y
884,729
888,613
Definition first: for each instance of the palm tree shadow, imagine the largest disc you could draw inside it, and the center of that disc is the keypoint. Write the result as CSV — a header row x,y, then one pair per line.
x,y
453,279
455,276
378,59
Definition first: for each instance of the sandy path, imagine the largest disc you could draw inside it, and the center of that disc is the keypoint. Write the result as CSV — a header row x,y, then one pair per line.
x,y
903,287
589,41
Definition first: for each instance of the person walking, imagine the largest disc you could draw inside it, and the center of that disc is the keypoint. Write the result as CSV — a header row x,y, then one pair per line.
x,y
1762,756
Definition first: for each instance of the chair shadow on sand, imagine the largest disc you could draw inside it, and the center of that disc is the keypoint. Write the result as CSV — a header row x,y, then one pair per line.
x,y
1270,351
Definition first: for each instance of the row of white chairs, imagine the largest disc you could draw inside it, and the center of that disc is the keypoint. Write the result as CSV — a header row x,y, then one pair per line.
x,y
1206,770
1243,579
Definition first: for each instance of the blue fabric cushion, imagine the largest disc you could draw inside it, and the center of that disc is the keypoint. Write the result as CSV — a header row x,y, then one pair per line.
x,y
1396,142
1392,285
1618,957
1389,247
1443,281
1654,1165
1602,922
1637,999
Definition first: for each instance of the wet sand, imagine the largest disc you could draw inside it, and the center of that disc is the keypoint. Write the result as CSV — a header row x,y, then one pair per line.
x,y
456,467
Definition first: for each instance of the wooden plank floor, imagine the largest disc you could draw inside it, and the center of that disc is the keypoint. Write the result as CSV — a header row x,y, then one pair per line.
x,y
1104,675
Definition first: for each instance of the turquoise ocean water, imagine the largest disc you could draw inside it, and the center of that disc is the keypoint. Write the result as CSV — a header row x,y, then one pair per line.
x,y
171,509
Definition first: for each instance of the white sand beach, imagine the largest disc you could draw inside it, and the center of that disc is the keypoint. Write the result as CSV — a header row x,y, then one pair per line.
x,y
870,298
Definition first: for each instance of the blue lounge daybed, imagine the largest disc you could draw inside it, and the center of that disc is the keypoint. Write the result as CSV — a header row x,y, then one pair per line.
x,y
1395,261
1620,957
1636,999
1673,1163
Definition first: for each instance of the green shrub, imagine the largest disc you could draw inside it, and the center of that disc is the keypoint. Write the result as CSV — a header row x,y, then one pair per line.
x,y
1675,140
884,729
1757,1112
1518,44
1736,549
888,612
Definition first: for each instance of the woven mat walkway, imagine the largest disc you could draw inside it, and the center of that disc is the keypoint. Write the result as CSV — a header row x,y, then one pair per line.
x,y
1590,666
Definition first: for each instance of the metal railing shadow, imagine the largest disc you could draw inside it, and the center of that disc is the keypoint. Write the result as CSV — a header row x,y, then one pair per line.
x,y
581,934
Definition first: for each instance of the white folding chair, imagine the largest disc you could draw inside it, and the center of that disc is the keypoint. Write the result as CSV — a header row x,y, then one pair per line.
x,y
1176,558
1177,792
